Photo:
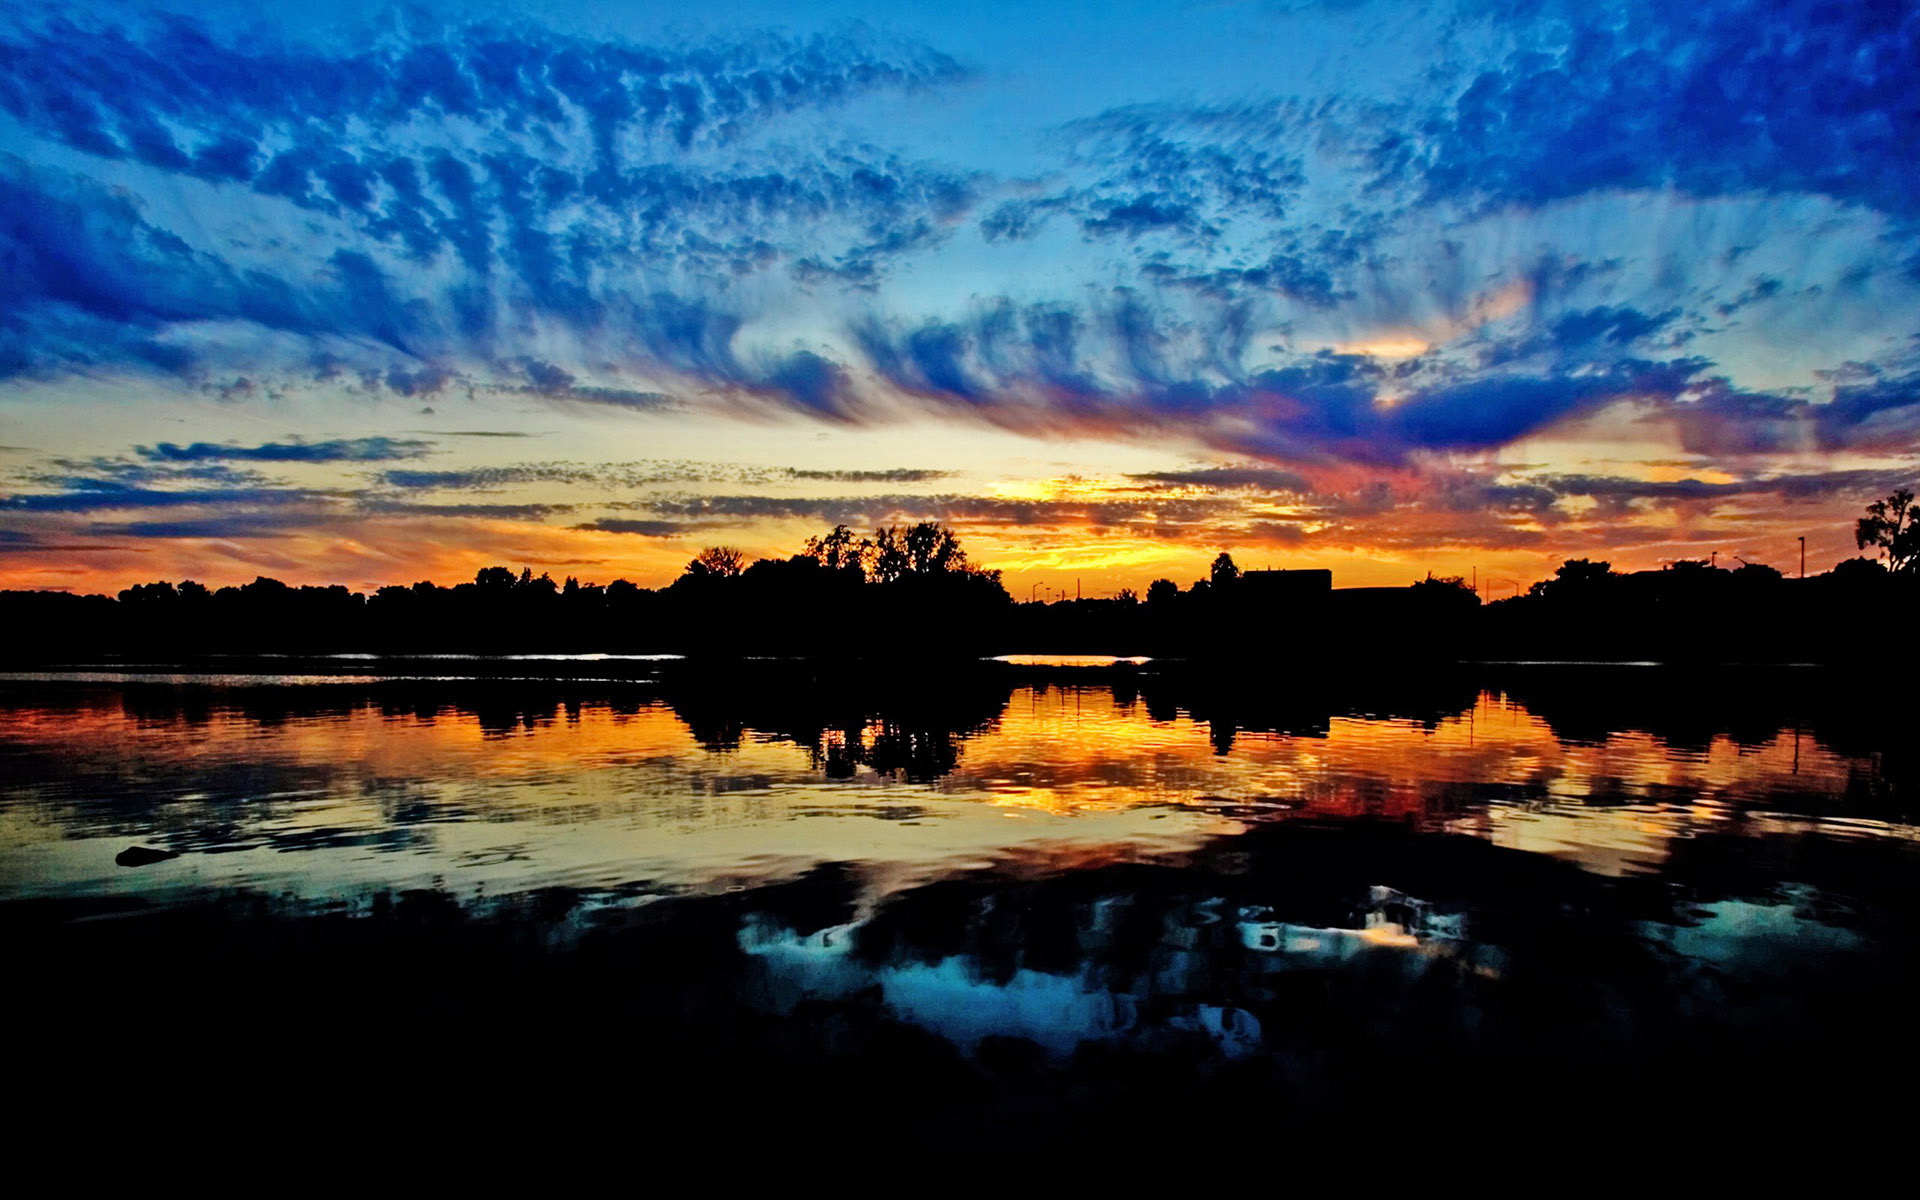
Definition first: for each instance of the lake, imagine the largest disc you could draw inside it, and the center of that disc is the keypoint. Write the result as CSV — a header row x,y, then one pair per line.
x,y
1027,888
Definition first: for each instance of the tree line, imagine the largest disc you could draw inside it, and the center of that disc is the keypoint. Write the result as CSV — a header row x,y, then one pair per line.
x,y
911,593
842,594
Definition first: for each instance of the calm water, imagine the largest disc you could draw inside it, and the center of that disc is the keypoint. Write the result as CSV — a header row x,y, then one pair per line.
x,y
334,787
1021,874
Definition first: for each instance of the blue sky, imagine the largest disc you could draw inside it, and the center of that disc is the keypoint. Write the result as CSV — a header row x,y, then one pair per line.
x,y
1109,287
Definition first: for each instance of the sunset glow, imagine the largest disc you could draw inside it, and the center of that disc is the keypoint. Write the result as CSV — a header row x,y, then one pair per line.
x,y
585,290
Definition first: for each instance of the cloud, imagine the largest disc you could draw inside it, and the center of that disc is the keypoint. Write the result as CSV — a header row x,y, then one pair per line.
x,y
1186,170
637,527
1127,369
1715,99
235,526
889,475
103,496
483,479
605,476
1493,411
102,90
959,510
1254,478
1797,486
459,185
89,281
110,472
643,474
367,449
38,547
1427,511
383,507
482,433
592,221
1601,332
1206,197
1879,415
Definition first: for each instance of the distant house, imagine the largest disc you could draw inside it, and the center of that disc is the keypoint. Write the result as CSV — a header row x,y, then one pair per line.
x,y
1376,607
1287,587
1286,604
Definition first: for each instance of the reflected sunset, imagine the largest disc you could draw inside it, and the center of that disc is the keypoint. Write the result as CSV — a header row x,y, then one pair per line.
x,y
482,791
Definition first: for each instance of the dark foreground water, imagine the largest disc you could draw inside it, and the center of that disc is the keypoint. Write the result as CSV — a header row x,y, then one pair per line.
x,y
1010,901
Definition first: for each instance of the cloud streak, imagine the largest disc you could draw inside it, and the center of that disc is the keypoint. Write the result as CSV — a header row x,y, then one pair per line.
x,y
368,449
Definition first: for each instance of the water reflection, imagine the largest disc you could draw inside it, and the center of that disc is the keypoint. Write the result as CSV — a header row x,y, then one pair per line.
x,y
694,780
1014,888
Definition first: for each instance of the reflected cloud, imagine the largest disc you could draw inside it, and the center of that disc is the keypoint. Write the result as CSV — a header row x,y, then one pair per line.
x,y
1277,893
685,775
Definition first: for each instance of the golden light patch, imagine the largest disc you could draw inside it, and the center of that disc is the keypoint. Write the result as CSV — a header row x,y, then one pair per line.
x,y
1063,487
1388,346
1411,341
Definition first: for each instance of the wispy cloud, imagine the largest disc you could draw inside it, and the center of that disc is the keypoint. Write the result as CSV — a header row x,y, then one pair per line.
x,y
1717,98
368,449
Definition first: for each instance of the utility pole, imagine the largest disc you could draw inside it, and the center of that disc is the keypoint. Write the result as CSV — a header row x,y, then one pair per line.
x,y
1803,568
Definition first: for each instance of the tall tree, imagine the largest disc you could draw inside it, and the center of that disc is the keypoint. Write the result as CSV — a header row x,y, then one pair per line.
x,y
717,562
890,560
933,550
840,550
1575,577
1892,526
922,549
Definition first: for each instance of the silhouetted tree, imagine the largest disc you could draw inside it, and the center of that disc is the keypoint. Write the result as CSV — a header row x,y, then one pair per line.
x,y
924,592
1892,526
1446,589
1689,566
933,550
890,561
543,585
717,562
149,593
922,549
1574,577
1859,570
840,550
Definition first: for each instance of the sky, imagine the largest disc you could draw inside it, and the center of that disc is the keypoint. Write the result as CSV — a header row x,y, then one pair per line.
x,y
369,294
